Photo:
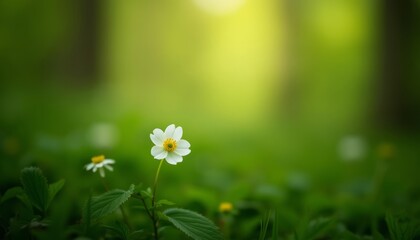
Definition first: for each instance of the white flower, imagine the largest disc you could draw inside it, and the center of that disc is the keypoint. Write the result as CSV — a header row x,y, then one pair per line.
x,y
99,162
169,145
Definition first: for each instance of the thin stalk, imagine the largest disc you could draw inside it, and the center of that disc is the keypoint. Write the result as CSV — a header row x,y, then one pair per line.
x,y
155,184
105,183
145,205
154,218
125,217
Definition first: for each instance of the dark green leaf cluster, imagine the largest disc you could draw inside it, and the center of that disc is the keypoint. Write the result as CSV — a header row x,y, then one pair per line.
x,y
36,196
400,228
122,231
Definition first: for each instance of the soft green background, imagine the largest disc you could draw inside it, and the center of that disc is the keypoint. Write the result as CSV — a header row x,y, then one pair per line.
x,y
269,94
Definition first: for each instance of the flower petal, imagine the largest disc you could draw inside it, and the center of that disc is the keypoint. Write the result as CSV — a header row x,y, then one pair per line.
x,y
110,168
173,158
102,172
95,168
108,161
156,150
156,140
161,155
183,144
158,135
182,151
89,166
169,131
177,134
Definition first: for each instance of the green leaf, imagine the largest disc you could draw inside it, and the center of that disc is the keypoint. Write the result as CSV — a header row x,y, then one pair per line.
x,y
25,200
120,229
109,202
350,236
264,225
147,193
378,236
11,193
134,233
318,227
193,224
164,202
275,230
400,227
35,186
53,189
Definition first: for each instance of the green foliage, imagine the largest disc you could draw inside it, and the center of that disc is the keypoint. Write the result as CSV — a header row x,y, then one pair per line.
x,y
193,224
275,230
36,187
315,228
318,226
35,194
121,230
86,216
11,193
264,226
108,202
351,236
23,219
147,193
164,202
400,228
53,189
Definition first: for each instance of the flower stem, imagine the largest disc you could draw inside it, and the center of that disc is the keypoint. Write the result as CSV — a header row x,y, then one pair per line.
x,y
141,198
105,183
155,184
124,215
155,219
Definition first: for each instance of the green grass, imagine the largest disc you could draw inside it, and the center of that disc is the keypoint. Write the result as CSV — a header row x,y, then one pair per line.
x,y
289,168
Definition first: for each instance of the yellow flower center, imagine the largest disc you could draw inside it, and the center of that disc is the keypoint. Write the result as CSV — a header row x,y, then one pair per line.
x,y
169,145
98,159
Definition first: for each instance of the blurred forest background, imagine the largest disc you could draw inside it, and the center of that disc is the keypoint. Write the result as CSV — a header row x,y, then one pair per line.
x,y
309,106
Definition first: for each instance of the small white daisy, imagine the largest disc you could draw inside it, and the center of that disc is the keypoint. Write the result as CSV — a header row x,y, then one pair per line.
x,y
169,145
99,162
